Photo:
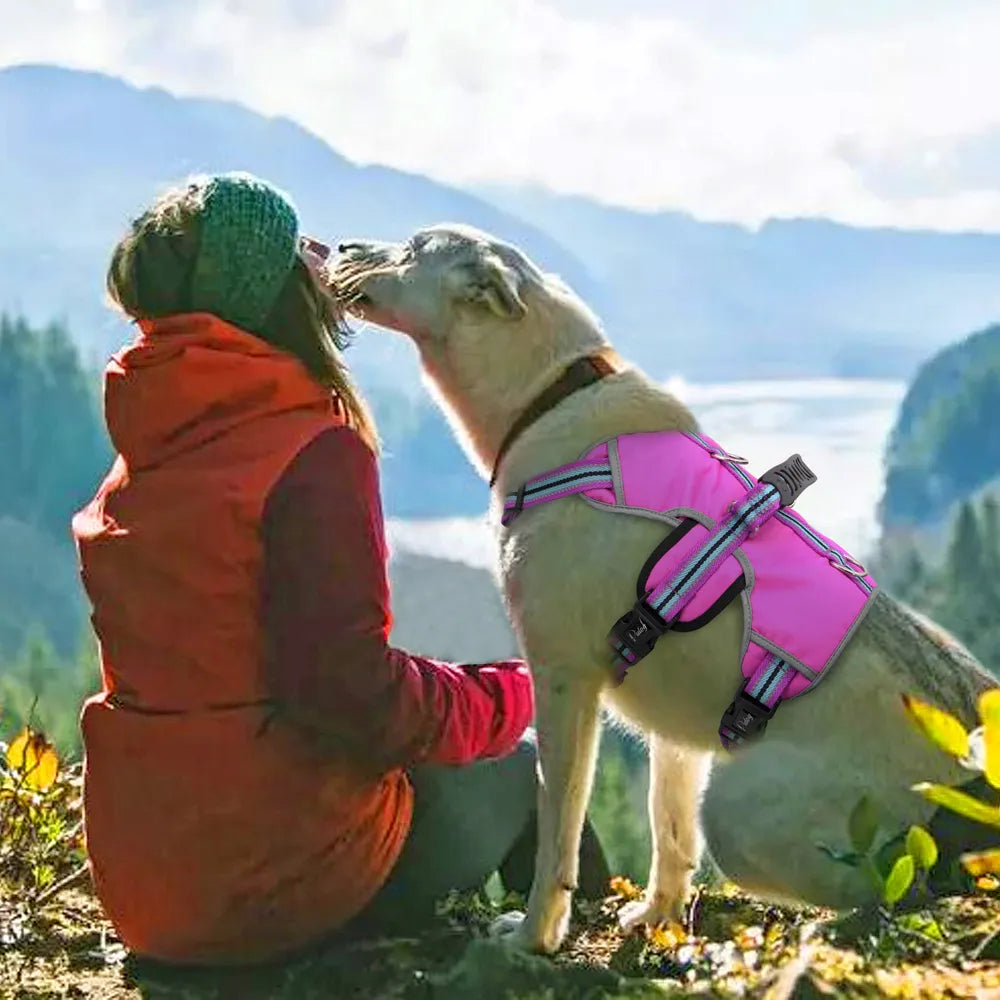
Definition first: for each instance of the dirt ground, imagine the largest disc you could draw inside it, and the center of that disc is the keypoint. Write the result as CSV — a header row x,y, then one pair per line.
x,y
731,946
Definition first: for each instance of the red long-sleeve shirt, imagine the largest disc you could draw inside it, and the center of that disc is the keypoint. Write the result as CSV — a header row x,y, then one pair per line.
x,y
327,620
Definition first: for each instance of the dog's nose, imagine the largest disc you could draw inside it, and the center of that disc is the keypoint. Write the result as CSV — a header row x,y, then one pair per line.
x,y
350,245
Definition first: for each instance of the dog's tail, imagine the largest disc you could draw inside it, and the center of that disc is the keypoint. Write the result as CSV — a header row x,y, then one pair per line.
x,y
929,660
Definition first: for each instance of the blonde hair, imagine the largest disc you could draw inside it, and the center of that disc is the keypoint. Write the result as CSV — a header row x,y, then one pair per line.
x,y
150,277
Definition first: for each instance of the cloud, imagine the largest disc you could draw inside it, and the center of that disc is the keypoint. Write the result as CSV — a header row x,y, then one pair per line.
x,y
882,122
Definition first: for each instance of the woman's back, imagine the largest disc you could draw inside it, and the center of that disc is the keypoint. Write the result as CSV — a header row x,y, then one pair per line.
x,y
206,419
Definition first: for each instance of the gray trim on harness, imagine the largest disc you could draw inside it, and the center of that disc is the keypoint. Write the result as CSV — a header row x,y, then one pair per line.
x,y
658,610
792,661
849,634
616,470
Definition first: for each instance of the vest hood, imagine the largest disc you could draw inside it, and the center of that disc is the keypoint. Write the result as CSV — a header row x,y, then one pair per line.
x,y
190,377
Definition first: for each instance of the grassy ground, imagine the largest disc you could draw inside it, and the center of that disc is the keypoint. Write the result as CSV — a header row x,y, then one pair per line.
x,y
732,946
56,943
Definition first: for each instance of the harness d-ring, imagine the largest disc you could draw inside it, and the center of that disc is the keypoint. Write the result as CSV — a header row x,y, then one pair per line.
x,y
841,563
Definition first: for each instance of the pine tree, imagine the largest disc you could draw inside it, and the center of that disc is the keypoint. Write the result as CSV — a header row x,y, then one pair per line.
x,y
964,564
73,433
53,453
990,521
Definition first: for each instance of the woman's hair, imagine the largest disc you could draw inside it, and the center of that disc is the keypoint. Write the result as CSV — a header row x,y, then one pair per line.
x,y
150,277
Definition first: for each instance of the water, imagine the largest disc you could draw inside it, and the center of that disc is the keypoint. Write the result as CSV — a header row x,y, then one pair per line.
x,y
839,426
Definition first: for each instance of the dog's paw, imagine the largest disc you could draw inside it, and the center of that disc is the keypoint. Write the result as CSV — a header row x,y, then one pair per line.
x,y
516,931
511,930
657,909
507,926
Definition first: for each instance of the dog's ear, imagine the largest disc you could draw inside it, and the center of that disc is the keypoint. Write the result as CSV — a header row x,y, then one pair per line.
x,y
491,283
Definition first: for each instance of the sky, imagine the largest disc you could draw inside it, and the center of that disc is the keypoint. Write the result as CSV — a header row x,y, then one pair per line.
x,y
882,112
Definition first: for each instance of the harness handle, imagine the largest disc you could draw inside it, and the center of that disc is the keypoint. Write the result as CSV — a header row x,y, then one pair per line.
x,y
789,478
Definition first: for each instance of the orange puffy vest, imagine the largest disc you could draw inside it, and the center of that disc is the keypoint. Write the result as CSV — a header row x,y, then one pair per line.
x,y
215,833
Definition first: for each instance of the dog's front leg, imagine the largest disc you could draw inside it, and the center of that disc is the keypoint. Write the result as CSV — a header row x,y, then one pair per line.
x,y
676,780
566,709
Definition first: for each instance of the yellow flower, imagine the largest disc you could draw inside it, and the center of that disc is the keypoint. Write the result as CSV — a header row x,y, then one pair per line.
x,y
34,760
666,937
625,887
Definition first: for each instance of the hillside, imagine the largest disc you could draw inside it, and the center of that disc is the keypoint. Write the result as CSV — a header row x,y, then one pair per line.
x,y
55,452
92,151
944,447
939,514
39,589
449,610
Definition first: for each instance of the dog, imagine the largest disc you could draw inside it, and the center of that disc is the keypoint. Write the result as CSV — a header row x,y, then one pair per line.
x,y
493,332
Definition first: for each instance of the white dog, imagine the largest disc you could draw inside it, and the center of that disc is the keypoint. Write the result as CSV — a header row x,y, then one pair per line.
x,y
493,332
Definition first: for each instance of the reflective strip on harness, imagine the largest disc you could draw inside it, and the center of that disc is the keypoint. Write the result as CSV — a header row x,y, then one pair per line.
x,y
798,615
761,503
556,484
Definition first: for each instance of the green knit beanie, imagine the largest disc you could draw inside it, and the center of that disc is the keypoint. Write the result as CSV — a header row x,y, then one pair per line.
x,y
248,241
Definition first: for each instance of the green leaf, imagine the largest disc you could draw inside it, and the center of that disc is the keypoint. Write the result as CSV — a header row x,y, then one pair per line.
x,y
920,844
900,879
939,727
862,825
921,923
959,802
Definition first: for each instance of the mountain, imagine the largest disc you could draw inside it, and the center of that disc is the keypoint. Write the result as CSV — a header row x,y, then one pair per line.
x,y
707,301
944,447
92,151
717,301
939,546
448,610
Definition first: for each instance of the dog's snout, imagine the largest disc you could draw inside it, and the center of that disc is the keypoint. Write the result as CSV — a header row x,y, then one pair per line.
x,y
349,245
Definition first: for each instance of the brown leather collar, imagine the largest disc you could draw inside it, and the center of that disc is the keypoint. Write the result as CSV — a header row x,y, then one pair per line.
x,y
581,373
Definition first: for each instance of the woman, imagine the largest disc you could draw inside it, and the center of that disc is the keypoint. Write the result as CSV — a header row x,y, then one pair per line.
x,y
262,768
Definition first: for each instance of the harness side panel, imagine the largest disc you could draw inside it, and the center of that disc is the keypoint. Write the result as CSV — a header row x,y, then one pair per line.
x,y
801,607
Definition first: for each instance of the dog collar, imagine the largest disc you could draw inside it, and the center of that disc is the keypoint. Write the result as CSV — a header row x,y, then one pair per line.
x,y
583,372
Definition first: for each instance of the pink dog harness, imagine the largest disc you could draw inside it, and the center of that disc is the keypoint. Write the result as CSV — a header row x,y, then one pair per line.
x,y
732,536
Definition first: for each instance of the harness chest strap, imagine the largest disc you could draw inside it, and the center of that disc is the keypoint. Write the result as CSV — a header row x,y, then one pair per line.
x,y
635,634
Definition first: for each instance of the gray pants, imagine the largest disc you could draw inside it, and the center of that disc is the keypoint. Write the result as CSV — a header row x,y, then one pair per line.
x,y
469,822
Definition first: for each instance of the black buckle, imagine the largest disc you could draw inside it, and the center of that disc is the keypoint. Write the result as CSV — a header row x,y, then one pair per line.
x,y
746,716
637,630
509,515
789,478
